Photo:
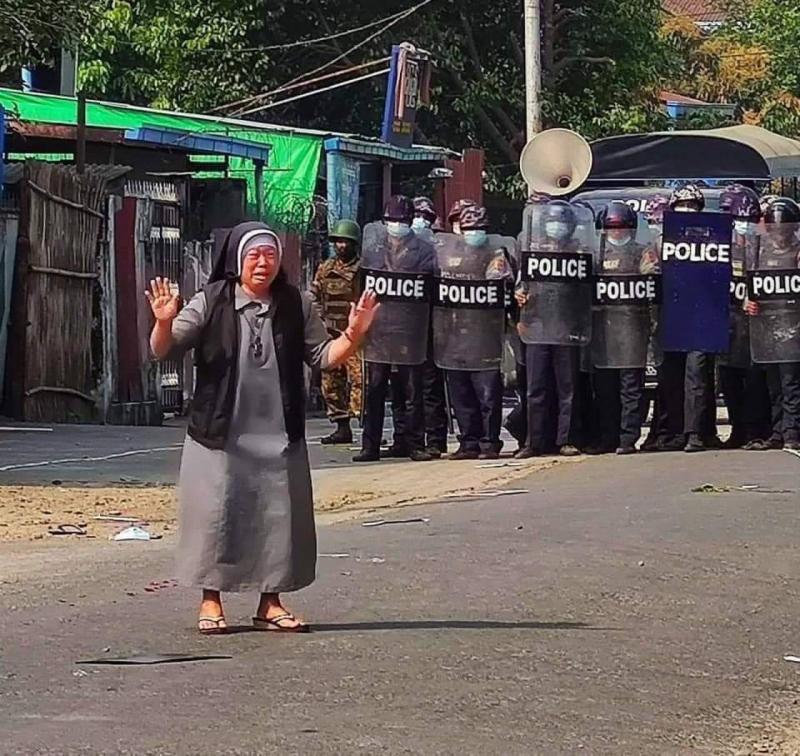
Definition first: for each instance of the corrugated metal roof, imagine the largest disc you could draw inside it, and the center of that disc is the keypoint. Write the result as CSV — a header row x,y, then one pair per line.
x,y
377,148
700,11
12,172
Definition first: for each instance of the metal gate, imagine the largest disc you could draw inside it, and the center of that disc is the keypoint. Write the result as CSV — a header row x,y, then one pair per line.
x,y
166,254
164,257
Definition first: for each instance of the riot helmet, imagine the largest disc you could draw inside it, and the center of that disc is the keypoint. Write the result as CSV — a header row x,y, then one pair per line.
x,y
744,208
657,205
766,201
424,213
473,221
781,220
455,212
398,214
728,196
538,198
618,222
687,198
558,220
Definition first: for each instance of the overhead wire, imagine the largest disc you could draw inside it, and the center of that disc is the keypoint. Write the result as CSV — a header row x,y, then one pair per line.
x,y
303,78
337,85
285,87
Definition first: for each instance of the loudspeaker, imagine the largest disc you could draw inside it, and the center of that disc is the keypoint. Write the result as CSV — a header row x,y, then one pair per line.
x,y
556,162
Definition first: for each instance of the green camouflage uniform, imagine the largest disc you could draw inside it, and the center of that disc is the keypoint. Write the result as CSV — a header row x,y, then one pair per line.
x,y
335,287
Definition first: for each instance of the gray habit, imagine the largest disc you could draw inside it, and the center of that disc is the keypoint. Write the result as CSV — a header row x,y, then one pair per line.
x,y
246,512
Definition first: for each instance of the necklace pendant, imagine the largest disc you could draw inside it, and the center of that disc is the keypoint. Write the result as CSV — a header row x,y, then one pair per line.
x,y
258,349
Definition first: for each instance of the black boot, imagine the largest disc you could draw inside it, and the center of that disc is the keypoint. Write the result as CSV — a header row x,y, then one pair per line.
x,y
342,434
367,456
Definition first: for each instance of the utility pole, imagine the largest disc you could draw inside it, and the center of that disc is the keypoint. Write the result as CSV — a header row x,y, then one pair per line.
x,y
533,68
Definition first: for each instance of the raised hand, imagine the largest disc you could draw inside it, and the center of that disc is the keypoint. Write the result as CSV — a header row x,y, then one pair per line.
x,y
361,316
750,307
164,298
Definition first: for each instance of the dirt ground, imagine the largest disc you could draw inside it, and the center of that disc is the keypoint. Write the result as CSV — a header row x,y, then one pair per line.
x,y
29,513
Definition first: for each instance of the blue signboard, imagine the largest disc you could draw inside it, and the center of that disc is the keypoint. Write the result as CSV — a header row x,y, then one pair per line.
x,y
696,280
402,97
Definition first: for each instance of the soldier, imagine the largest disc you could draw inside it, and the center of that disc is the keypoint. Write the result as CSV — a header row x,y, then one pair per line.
x,y
395,264
555,321
775,319
625,291
335,287
469,320
744,386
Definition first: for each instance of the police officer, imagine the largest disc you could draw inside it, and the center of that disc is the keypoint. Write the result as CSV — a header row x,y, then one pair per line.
x,y
477,395
516,422
776,337
334,288
433,393
686,380
743,385
657,205
403,252
620,335
557,228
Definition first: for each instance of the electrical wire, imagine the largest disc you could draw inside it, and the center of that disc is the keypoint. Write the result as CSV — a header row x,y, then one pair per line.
x,y
304,77
338,84
286,88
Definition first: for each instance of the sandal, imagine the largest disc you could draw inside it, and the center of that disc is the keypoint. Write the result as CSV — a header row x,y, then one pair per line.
x,y
274,624
219,625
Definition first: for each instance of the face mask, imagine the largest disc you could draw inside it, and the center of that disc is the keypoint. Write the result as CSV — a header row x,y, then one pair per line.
x,y
475,237
556,229
398,228
618,241
420,224
655,228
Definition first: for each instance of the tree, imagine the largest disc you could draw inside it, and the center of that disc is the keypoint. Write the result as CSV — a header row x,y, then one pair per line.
x,y
601,59
31,33
749,62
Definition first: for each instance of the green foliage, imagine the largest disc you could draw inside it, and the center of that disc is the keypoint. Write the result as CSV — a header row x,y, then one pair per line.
x,y
32,32
602,59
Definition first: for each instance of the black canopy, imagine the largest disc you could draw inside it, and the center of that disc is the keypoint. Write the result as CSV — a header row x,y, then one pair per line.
x,y
735,152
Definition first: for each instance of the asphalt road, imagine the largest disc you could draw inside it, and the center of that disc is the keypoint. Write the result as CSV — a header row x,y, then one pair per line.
x,y
607,610
109,455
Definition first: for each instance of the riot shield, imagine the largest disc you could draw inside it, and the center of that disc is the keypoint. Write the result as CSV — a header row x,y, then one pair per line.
x,y
469,303
696,279
399,271
627,293
556,280
773,281
738,355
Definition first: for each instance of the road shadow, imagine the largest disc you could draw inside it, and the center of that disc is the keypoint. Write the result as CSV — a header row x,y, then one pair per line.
x,y
336,627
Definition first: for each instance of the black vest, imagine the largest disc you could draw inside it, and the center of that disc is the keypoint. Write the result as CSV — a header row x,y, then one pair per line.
x,y
217,356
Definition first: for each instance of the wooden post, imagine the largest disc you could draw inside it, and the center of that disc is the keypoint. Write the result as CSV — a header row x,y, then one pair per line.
x,y
259,189
387,183
80,151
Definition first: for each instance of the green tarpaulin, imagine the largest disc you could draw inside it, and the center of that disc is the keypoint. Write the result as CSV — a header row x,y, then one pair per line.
x,y
289,180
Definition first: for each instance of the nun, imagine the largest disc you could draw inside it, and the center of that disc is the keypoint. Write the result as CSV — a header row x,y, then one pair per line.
x,y
246,514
